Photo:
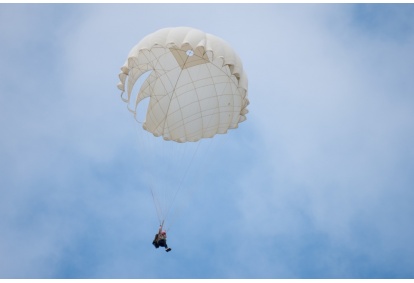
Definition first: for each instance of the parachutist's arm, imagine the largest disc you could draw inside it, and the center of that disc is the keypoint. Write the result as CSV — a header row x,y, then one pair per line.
x,y
161,225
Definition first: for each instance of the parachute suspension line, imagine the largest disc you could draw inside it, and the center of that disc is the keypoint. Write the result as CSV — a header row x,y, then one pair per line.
x,y
176,213
182,180
158,207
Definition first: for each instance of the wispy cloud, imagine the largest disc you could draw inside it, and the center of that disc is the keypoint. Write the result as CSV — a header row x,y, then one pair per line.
x,y
315,184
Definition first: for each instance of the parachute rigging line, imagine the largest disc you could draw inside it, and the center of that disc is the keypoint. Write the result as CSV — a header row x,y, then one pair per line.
x,y
157,206
182,180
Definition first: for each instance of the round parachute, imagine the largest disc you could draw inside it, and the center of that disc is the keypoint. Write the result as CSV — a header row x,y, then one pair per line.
x,y
195,82
190,86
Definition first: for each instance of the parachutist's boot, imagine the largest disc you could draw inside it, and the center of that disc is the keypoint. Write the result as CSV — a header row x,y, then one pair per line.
x,y
167,250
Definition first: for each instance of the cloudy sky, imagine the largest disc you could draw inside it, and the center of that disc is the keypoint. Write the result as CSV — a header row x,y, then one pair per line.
x,y
317,183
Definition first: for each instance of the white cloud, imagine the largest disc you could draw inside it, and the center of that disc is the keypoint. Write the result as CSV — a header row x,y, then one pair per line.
x,y
319,169
336,128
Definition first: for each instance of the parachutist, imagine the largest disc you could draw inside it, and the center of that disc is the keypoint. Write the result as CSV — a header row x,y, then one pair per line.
x,y
192,87
160,240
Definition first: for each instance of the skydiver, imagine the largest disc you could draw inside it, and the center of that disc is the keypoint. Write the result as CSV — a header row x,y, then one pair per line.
x,y
160,239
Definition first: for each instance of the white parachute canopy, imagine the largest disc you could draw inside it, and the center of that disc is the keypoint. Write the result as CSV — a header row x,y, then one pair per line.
x,y
196,84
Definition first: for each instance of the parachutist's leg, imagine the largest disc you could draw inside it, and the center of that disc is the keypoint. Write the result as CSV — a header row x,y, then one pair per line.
x,y
167,249
162,243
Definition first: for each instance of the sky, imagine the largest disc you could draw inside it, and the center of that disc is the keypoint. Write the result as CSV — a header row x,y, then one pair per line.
x,y
316,183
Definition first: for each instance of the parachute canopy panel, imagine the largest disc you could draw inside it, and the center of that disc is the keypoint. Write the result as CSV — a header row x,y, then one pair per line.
x,y
197,86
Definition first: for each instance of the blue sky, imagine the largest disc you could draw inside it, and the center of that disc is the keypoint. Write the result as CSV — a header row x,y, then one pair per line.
x,y
317,183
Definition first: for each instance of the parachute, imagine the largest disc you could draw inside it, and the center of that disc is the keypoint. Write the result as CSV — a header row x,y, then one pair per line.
x,y
195,83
